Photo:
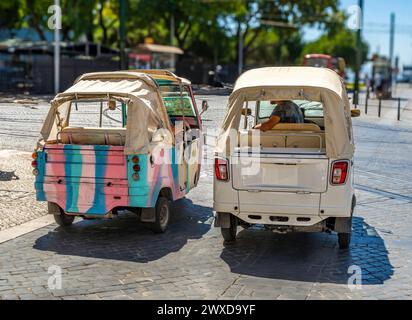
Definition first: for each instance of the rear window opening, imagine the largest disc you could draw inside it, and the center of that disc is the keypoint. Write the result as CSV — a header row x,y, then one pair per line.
x,y
301,128
179,104
94,123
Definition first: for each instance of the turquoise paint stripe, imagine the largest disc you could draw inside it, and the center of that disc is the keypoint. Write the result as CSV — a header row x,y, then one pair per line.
x,y
72,167
99,200
138,190
39,180
175,168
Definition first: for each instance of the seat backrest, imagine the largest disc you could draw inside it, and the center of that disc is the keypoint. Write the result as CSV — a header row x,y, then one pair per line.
x,y
263,139
282,139
309,141
93,136
311,127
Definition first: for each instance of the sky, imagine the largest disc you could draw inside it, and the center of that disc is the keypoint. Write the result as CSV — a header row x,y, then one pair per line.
x,y
376,27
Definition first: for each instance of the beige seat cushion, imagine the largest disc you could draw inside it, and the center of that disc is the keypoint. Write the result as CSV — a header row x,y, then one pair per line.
x,y
262,139
282,139
306,141
311,127
93,136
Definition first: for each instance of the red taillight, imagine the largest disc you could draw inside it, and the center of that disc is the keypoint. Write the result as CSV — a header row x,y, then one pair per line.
x,y
136,168
135,159
221,169
339,172
34,164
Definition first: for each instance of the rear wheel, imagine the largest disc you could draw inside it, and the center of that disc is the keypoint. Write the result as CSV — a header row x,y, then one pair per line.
x,y
344,240
229,234
162,214
64,220
61,218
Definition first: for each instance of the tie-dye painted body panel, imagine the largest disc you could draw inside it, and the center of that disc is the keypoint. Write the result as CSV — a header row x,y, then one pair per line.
x,y
92,180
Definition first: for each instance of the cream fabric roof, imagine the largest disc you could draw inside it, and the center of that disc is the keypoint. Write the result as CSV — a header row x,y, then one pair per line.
x,y
290,77
146,111
293,83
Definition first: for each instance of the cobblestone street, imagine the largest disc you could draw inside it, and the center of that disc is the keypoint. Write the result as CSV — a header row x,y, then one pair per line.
x,y
123,259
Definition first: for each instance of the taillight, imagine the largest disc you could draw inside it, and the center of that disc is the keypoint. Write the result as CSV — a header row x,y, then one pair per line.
x,y
339,172
221,169
34,164
136,168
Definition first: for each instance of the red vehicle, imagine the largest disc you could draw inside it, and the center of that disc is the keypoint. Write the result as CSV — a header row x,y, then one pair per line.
x,y
326,61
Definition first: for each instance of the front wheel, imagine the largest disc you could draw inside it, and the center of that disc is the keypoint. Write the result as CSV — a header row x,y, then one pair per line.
x,y
229,234
344,240
162,214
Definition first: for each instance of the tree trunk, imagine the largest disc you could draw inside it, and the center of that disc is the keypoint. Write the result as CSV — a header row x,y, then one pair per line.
x,y
34,20
101,23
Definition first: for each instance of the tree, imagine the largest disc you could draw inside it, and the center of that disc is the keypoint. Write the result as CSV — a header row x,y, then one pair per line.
x,y
338,41
253,17
10,14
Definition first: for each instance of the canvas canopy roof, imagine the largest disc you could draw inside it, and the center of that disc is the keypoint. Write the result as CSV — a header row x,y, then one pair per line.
x,y
294,83
146,111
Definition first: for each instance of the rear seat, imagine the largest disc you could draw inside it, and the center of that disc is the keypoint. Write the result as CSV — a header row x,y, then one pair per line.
x,y
93,136
281,136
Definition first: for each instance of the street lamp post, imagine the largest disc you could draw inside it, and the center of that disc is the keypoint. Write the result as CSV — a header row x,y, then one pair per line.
x,y
57,49
358,55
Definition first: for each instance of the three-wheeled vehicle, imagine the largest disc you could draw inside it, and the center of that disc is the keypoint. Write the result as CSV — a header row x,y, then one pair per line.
x,y
337,64
295,176
119,140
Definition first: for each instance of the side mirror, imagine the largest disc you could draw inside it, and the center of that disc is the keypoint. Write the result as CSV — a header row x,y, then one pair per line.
x,y
205,106
246,112
355,113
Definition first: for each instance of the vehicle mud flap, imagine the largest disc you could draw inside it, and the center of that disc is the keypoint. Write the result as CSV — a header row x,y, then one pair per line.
x,y
53,209
343,225
148,215
222,220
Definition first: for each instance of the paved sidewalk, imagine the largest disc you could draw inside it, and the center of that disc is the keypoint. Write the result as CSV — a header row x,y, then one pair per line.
x,y
17,196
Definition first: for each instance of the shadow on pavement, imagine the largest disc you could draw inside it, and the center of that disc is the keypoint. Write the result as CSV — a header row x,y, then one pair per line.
x,y
125,238
8,175
310,257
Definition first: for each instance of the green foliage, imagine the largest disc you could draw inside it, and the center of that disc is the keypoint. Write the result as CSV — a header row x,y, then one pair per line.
x,y
207,30
338,41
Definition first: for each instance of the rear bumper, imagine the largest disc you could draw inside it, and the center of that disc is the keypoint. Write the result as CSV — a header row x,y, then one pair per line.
x,y
280,220
293,216
84,199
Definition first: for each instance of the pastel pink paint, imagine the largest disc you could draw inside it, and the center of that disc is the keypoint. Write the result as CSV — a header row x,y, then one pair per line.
x,y
86,190
116,174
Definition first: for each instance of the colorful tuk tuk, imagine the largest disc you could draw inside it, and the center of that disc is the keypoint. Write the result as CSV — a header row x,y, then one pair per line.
x,y
119,140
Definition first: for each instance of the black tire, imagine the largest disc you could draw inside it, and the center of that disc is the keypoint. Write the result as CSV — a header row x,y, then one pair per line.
x,y
229,234
63,219
344,240
162,215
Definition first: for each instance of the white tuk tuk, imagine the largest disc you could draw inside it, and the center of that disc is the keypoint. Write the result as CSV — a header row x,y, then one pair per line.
x,y
294,176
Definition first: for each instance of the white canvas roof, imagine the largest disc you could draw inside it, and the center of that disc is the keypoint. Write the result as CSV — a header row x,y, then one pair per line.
x,y
290,77
294,83
146,111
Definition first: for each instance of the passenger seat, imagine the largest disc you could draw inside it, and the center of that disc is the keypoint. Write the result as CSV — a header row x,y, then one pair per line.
x,y
93,136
